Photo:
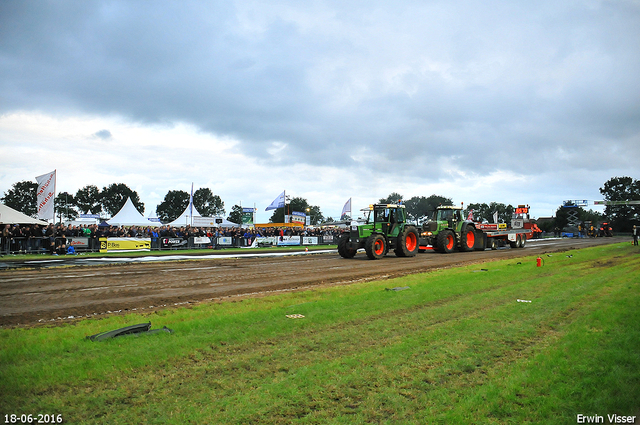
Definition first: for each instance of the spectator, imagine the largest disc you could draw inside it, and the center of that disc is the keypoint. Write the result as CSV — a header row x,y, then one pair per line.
x,y
61,240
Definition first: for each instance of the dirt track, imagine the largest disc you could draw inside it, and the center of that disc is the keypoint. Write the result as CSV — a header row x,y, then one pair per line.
x,y
60,294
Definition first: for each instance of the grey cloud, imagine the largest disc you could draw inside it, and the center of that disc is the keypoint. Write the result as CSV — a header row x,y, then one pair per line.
x,y
103,134
413,83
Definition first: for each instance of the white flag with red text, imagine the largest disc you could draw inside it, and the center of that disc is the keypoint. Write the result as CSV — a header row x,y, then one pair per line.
x,y
46,194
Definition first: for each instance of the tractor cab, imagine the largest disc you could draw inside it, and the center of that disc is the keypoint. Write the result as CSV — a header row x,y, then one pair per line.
x,y
385,228
385,218
444,217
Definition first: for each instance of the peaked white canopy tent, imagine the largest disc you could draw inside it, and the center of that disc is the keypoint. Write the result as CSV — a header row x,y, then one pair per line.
x,y
191,217
10,216
185,218
129,216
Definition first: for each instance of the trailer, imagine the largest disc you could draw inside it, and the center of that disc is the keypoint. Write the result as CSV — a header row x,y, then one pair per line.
x,y
449,231
513,237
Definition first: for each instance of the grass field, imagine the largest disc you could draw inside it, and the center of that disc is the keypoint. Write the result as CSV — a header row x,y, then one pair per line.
x,y
455,347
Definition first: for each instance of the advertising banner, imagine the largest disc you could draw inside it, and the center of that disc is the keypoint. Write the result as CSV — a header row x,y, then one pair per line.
x,y
288,240
78,242
225,240
90,216
168,243
247,216
201,240
298,217
125,244
204,221
45,195
491,226
264,241
346,209
310,240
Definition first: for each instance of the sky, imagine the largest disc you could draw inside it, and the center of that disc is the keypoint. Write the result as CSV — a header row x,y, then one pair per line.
x,y
516,102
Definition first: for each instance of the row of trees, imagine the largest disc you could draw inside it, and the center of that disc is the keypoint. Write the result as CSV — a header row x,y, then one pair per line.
x,y
89,200
109,200
176,201
418,208
622,216
621,189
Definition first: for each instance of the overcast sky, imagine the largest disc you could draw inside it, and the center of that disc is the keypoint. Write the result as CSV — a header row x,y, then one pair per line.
x,y
517,102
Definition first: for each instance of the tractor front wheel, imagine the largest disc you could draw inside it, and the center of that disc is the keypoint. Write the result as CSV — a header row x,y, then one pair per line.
x,y
375,247
343,249
446,241
407,244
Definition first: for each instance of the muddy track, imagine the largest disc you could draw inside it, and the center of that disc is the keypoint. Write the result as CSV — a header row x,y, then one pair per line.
x,y
56,295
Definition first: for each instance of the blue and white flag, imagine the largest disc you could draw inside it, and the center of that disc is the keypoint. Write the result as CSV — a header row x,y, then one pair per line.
x,y
346,208
277,203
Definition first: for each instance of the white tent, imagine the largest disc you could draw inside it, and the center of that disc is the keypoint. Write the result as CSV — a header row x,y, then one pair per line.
x,y
186,217
153,216
10,216
129,216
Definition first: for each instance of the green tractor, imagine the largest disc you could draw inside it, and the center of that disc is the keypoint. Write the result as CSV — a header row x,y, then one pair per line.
x,y
449,231
385,228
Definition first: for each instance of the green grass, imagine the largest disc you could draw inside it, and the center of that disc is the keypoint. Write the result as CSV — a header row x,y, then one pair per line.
x,y
454,348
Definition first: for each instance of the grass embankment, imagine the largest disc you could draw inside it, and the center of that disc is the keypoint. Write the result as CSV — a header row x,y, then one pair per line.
x,y
457,347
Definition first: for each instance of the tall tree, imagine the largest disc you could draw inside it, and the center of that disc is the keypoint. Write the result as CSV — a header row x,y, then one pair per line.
x,y
393,198
505,212
481,212
419,207
88,201
622,189
207,204
65,206
484,212
114,196
22,197
315,215
235,216
174,203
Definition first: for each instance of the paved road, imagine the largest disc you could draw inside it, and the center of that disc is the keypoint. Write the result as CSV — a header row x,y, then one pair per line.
x,y
51,295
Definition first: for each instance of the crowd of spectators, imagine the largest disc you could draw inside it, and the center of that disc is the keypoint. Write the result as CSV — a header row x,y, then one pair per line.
x,y
54,238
